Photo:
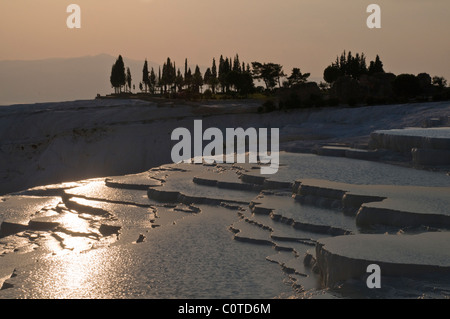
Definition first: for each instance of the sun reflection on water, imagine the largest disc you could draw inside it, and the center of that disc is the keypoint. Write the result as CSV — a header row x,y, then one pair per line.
x,y
73,275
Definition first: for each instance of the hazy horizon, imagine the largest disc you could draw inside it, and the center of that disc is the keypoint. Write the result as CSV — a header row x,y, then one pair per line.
x,y
307,34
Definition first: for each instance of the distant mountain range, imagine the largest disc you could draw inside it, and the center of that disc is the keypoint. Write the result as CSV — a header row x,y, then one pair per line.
x,y
61,79
67,79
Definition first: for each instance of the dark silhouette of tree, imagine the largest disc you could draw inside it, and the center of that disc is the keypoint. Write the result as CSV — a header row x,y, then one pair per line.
x,y
236,64
348,80
118,76
297,77
331,73
342,63
376,66
224,69
354,68
145,78
323,86
207,77
168,75
425,82
439,82
363,65
247,83
214,81
406,86
188,79
270,73
197,80
159,85
152,81
242,81
233,79
129,79
174,77
351,65
179,81
185,70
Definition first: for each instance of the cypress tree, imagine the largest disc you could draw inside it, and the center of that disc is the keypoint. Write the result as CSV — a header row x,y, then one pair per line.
x,y
236,64
159,80
207,78
214,79
197,79
118,76
121,77
222,73
145,74
129,79
113,78
188,79
179,80
376,66
152,81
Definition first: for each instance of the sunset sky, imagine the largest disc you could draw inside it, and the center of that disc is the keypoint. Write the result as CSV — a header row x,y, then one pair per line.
x,y
295,33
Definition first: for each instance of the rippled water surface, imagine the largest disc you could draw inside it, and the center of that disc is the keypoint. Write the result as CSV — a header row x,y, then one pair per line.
x,y
110,238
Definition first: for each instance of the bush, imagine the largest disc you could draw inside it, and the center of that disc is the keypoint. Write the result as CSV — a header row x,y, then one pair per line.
x,y
207,94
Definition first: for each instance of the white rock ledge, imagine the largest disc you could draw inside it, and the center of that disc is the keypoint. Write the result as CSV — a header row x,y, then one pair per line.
x,y
347,257
403,140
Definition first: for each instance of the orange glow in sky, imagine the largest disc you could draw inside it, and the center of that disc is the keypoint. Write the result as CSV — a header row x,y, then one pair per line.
x,y
295,33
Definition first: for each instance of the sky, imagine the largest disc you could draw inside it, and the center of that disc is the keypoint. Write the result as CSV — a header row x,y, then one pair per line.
x,y
308,34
